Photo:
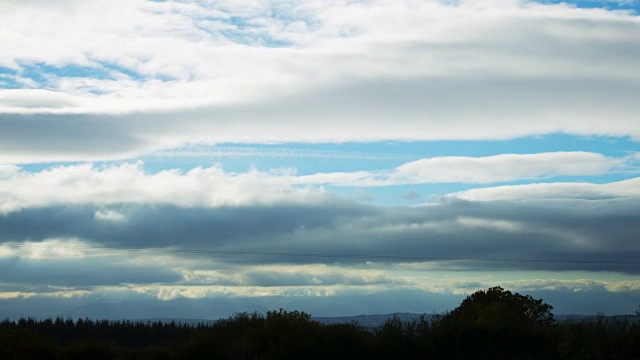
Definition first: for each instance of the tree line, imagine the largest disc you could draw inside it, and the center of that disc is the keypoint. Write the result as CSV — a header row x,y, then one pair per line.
x,y
493,323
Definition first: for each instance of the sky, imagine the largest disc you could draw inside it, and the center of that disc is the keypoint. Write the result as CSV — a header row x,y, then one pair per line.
x,y
341,157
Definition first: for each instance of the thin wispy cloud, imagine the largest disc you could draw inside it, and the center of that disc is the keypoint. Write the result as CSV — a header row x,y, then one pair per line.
x,y
277,152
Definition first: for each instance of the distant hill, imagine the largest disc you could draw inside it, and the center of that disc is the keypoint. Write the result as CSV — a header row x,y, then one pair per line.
x,y
377,309
222,307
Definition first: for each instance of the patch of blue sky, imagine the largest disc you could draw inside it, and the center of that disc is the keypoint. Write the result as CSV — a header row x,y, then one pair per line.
x,y
38,167
254,39
416,194
247,32
314,158
8,79
33,74
110,69
397,195
609,146
72,70
594,179
44,75
628,5
307,158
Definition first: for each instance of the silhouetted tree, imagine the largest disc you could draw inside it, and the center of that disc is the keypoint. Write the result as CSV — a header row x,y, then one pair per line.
x,y
499,323
290,334
492,323
499,308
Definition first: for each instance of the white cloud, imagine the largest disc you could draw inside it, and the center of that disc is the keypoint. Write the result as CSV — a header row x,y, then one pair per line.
x,y
477,170
579,190
36,98
8,171
128,183
65,294
506,167
210,187
53,248
405,70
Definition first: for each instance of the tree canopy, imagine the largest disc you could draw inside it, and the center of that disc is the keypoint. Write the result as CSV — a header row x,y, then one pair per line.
x,y
494,324
497,308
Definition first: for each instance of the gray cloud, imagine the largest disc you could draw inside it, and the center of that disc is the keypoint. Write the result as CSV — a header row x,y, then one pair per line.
x,y
549,235
274,278
79,273
66,137
422,109
175,226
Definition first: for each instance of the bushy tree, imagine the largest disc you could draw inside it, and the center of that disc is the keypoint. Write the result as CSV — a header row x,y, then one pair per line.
x,y
290,333
499,323
499,308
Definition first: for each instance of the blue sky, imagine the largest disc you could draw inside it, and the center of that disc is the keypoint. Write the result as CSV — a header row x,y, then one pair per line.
x,y
319,154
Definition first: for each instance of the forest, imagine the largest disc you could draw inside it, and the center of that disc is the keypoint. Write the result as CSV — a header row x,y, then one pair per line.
x,y
493,323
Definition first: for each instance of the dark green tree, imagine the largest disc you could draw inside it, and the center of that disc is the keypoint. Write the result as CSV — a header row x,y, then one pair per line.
x,y
499,308
500,323
291,334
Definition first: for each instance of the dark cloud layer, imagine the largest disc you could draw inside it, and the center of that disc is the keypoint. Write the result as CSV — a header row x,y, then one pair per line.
x,y
152,226
551,235
66,137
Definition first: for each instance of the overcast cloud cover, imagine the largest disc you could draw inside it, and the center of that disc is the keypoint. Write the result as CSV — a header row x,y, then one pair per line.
x,y
338,157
